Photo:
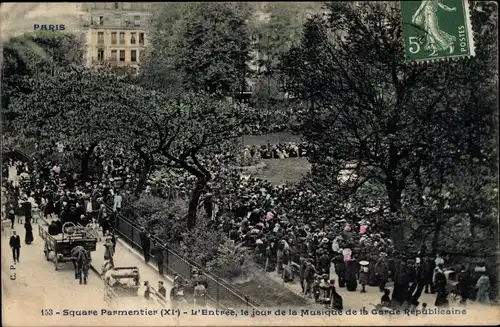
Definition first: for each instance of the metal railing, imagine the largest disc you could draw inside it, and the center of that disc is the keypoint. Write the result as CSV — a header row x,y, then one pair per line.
x,y
219,292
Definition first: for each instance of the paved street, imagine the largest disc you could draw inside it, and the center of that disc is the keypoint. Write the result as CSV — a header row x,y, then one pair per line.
x,y
39,286
126,256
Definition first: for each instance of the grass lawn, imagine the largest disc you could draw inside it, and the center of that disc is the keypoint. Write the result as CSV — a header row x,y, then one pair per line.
x,y
279,171
267,291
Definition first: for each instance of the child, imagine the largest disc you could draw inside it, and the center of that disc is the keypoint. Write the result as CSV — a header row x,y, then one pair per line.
x,y
316,289
363,275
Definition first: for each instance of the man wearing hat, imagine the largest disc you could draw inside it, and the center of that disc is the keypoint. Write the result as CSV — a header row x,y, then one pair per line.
x,y
145,243
157,251
15,245
309,273
323,261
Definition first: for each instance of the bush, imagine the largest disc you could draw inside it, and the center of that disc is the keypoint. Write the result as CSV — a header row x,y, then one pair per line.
x,y
231,260
164,218
201,244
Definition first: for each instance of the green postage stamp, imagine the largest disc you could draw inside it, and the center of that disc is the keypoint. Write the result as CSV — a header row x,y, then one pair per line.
x,y
436,29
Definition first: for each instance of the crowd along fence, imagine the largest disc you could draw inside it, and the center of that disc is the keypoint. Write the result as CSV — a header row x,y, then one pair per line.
x,y
220,293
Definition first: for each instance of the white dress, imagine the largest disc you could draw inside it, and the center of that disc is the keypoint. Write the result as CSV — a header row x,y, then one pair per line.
x,y
13,175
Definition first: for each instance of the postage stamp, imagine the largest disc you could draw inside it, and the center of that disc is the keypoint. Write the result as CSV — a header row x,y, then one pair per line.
x,y
437,29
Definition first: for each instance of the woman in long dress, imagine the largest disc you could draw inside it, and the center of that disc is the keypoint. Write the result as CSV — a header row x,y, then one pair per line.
x,y
426,17
351,275
29,232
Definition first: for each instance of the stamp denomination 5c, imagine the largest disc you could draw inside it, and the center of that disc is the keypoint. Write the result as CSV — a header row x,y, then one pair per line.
x,y
437,29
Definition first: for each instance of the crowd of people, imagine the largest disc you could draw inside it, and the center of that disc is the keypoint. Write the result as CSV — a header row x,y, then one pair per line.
x,y
251,155
284,226
47,190
291,235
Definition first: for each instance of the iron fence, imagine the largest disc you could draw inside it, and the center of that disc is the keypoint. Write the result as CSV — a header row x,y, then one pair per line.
x,y
222,294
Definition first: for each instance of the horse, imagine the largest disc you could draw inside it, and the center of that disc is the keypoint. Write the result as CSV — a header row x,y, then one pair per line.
x,y
81,263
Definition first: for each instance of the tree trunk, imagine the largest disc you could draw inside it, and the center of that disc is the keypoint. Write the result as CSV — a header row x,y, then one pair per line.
x,y
85,162
437,235
392,184
143,177
193,202
394,194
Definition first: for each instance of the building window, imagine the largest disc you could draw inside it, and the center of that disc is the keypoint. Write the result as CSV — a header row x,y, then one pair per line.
x,y
141,38
100,54
133,39
113,37
122,37
116,5
100,37
137,20
133,55
101,20
122,55
113,55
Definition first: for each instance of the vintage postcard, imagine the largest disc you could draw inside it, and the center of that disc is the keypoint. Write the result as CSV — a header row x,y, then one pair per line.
x,y
250,163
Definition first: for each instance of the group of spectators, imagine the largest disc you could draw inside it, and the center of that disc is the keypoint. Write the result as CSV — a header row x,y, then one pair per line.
x,y
253,154
48,190
286,226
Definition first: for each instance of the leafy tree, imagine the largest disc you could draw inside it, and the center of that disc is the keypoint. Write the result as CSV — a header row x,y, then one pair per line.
x,y
84,108
401,126
29,53
198,47
178,132
276,28
71,104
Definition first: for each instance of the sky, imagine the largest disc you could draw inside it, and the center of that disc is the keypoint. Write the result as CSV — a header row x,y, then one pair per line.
x,y
19,18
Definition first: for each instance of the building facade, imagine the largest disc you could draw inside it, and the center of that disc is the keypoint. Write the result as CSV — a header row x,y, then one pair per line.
x,y
116,33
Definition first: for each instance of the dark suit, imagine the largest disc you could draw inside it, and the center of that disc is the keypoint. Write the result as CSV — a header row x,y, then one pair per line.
x,y
145,245
157,251
15,244
163,292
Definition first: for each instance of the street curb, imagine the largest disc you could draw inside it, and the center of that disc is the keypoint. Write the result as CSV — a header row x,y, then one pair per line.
x,y
95,270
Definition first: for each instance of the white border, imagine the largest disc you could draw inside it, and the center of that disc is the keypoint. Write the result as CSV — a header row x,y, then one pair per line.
x,y
470,34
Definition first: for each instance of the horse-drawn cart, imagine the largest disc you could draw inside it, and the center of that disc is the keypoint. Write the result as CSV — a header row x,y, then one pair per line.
x,y
121,282
58,248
